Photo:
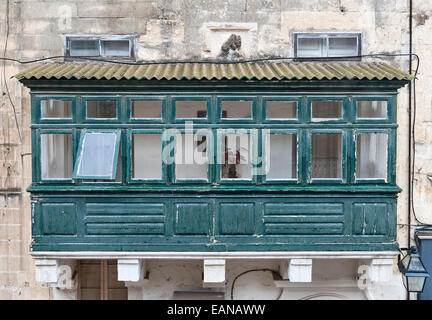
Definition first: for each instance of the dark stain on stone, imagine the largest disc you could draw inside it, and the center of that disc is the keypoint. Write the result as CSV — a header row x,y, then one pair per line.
x,y
420,19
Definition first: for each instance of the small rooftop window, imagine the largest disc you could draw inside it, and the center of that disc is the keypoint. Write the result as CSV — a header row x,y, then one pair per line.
x,y
327,45
119,47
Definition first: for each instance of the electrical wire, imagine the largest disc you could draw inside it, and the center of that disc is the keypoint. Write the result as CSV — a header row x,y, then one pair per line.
x,y
324,294
4,71
140,63
375,55
254,270
414,159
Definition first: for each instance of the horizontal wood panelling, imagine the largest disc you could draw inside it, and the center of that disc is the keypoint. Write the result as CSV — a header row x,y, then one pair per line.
x,y
125,208
303,228
217,222
302,219
303,208
125,218
125,228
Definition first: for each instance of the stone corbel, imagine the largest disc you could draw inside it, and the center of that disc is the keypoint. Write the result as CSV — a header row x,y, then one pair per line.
x,y
59,274
381,270
214,273
46,270
296,270
131,270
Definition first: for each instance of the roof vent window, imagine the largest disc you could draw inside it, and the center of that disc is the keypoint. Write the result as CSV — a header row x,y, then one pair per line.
x,y
320,45
122,47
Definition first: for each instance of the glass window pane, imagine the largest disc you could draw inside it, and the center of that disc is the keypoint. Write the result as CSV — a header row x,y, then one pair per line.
x,y
142,109
372,109
342,46
118,177
281,109
56,156
115,48
281,156
147,156
52,108
236,109
371,156
191,109
89,48
310,47
326,109
98,155
236,156
101,109
326,155
191,156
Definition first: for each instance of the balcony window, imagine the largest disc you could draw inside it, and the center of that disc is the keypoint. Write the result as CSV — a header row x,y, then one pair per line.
x,y
370,109
147,156
326,110
98,155
281,156
326,156
372,156
56,156
236,109
101,109
191,109
282,142
236,162
56,109
281,110
191,157
146,109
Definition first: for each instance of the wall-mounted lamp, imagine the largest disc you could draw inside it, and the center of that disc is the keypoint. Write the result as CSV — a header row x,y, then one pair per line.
x,y
413,271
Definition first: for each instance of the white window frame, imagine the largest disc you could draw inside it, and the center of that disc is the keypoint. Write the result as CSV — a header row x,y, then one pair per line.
x,y
326,37
101,39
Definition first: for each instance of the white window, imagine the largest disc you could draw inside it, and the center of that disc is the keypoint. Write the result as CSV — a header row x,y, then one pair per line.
x,y
56,109
371,109
147,156
191,156
326,156
120,47
98,155
281,156
323,45
371,156
236,156
56,156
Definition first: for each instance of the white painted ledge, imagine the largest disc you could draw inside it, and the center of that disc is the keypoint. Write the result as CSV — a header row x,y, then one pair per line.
x,y
215,255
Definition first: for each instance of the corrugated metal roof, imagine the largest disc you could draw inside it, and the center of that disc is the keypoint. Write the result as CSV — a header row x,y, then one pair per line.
x,y
217,71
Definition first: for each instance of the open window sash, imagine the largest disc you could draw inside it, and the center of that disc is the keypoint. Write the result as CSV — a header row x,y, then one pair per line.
x,y
97,154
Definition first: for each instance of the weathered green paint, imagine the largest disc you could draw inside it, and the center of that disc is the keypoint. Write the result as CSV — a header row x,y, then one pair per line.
x,y
189,222
216,215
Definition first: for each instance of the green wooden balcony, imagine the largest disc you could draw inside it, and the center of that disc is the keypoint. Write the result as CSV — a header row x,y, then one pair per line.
x,y
326,179
214,222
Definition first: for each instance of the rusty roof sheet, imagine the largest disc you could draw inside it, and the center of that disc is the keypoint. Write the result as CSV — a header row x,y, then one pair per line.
x,y
216,71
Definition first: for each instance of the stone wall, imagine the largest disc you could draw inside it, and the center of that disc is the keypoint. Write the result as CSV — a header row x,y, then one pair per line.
x,y
192,30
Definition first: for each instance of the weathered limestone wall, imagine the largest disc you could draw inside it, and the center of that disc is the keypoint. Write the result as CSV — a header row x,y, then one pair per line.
x,y
189,30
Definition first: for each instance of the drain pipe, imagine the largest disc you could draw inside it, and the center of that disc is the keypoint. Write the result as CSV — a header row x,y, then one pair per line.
x,y
410,142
